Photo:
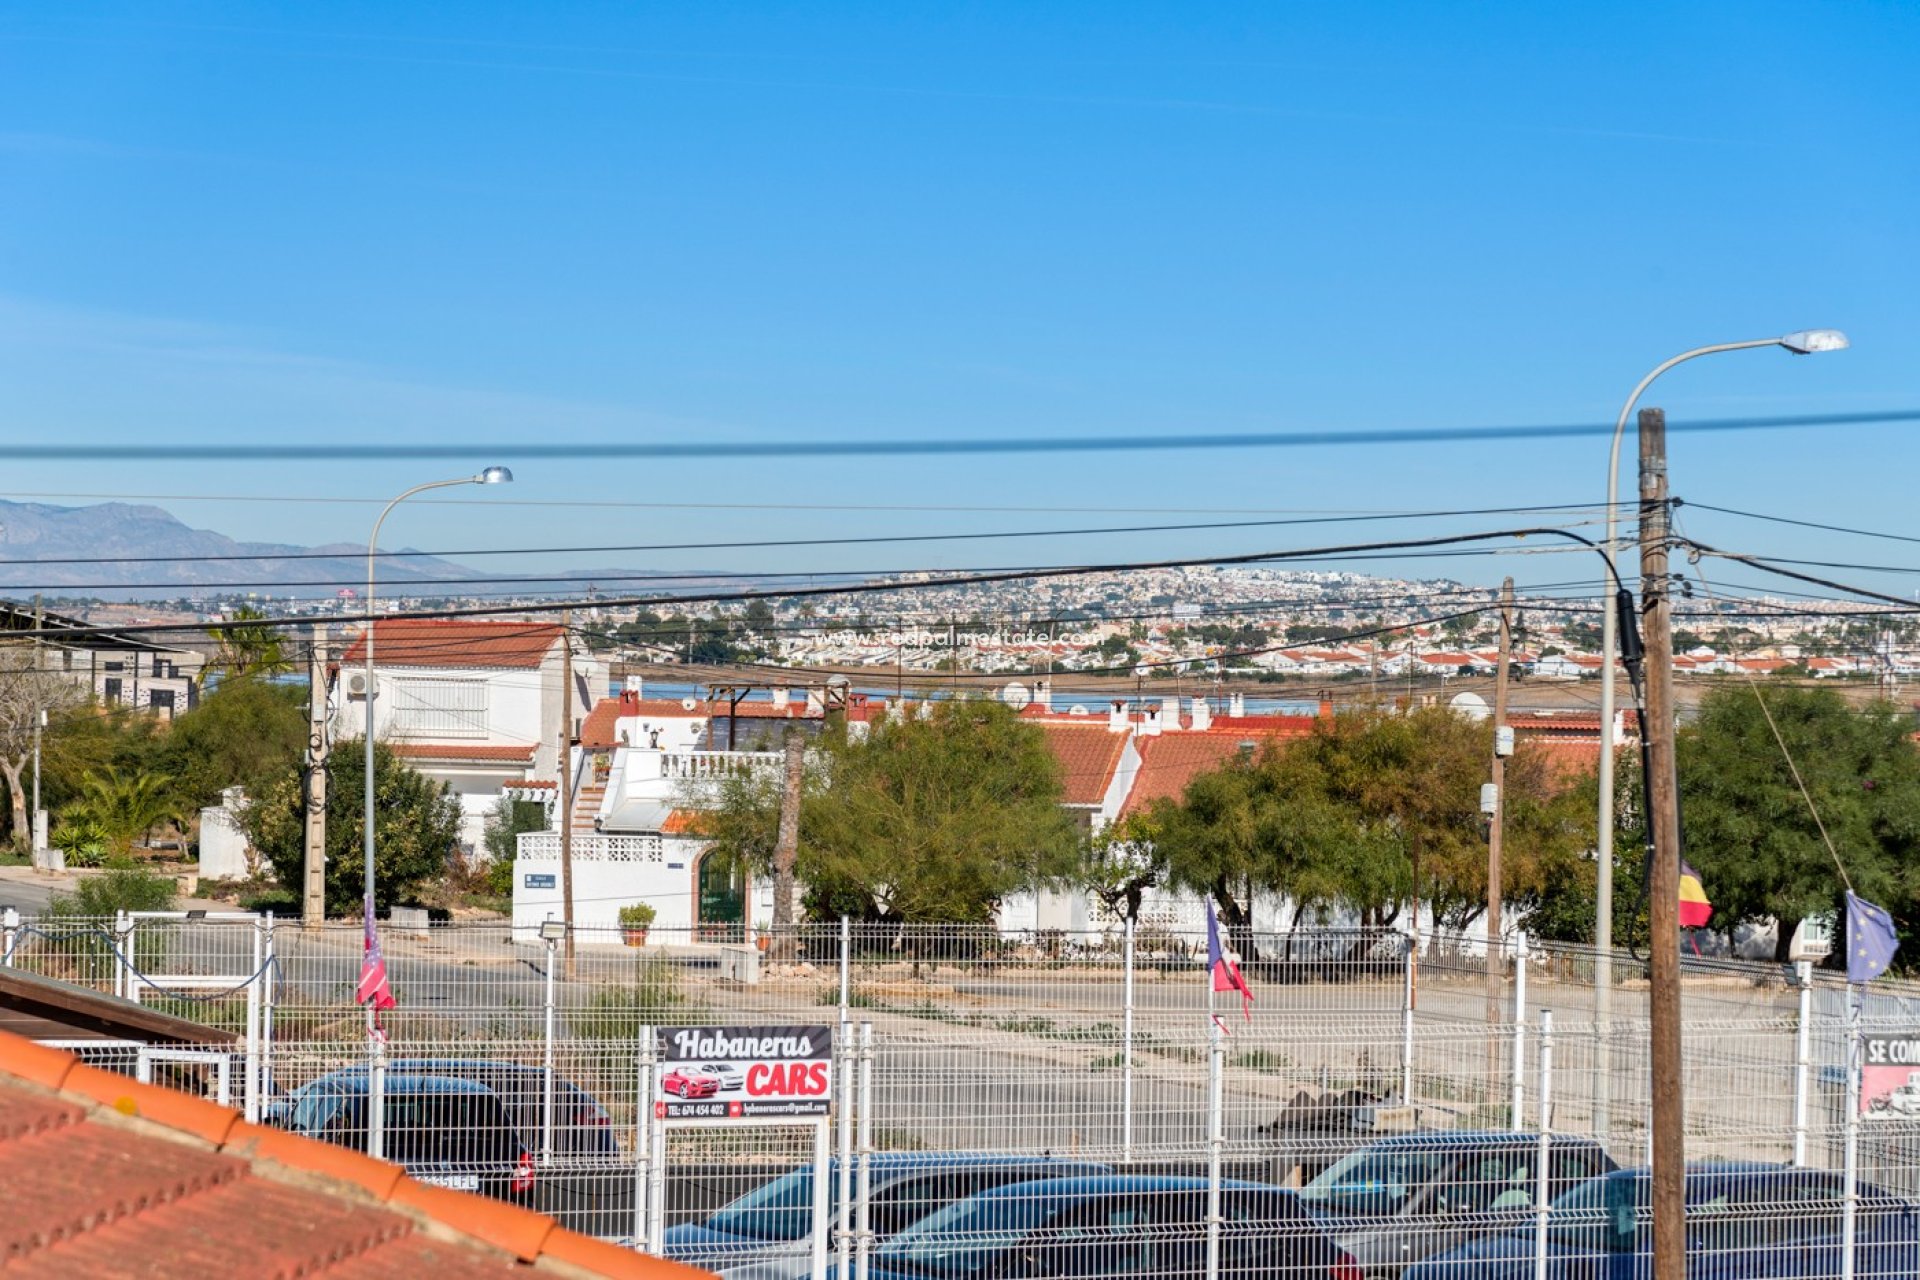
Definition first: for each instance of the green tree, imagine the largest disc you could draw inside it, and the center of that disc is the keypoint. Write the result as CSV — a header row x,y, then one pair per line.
x,y
923,819
1748,830
417,826
124,807
246,733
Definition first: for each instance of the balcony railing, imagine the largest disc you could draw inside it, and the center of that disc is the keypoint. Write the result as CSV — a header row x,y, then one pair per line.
x,y
711,766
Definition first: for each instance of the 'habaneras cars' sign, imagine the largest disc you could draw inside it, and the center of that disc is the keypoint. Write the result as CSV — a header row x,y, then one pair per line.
x,y
743,1073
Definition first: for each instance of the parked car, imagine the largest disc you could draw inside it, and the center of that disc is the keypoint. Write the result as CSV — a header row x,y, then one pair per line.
x,y
1404,1198
1116,1225
1744,1222
772,1226
690,1082
478,1125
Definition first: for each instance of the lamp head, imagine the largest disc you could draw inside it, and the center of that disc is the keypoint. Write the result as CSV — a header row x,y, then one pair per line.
x,y
1807,342
500,475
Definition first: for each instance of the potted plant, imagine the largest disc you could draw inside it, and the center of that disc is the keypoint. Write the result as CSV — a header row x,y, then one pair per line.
x,y
761,937
635,919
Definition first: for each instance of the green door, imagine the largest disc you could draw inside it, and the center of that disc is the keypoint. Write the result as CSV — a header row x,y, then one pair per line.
x,y
723,899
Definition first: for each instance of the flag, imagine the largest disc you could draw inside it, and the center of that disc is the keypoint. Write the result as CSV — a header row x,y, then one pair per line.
x,y
1871,940
1222,967
373,989
1695,910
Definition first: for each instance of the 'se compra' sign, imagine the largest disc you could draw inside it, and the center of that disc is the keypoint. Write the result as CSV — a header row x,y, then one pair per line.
x,y
743,1073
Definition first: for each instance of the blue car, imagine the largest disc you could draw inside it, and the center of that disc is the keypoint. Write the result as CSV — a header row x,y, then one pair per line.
x,y
1744,1222
1414,1195
771,1227
1104,1228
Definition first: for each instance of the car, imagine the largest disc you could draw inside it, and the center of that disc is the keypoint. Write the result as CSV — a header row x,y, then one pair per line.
x,y
1744,1221
1110,1226
771,1227
690,1082
1404,1198
478,1125
727,1076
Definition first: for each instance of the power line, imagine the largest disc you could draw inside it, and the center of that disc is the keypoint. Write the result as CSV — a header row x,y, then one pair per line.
x,y
520,449
764,543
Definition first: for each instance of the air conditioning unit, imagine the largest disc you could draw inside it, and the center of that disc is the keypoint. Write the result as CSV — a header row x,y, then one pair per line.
x,y
356,684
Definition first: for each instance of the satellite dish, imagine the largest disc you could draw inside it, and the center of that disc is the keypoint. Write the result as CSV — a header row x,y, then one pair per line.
x,y
1470,705
1076,710
1015,695
688,704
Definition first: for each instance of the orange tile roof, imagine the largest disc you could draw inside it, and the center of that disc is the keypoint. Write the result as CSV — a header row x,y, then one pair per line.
x,y
684,822
130,1178
474,751
1172,760
454,642
1088,755
597,730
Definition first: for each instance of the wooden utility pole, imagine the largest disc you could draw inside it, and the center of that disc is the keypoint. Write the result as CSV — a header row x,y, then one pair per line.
x,y
1496,830
1663,890
787,844
566,779
313,879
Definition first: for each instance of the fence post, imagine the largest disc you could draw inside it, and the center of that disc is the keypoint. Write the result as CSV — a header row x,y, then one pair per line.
x,y
822,1192
846,969
1406,1018
9,934
1542,1188
1802,1060
863,1194
377,1100
1216,1140
250,1084
269,997
1849,1209
1126,1051
643,1144
123,984
1520,1030
546,1062
657,1147
845,1055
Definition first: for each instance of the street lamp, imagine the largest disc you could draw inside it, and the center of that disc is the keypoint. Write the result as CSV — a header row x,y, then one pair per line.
x,y
492,475
1802,342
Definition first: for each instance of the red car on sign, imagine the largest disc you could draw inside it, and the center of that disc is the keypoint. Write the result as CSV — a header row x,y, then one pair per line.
x,y
690,1084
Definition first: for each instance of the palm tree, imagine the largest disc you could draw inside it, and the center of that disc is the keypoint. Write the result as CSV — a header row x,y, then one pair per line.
x,y
251,650
124,807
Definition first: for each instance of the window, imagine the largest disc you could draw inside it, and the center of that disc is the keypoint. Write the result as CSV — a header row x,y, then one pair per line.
x,y
162,700
435,708
110,690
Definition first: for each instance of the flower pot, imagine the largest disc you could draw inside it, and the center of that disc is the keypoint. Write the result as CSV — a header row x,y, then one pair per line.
x,y
634,937
763,940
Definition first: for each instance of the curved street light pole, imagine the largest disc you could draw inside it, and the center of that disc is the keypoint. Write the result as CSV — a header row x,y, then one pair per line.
x,y
1803,342
492,475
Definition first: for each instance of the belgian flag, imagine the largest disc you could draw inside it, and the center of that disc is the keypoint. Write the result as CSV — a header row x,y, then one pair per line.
x,y
1695,910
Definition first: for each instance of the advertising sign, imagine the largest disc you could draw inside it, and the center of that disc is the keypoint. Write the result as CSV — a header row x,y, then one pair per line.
x,y
718,1074
1890,1076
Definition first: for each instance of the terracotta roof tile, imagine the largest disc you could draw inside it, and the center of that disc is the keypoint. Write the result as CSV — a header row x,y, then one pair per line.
x,y
128,1178
1170,761
454,642
1088,755
462,751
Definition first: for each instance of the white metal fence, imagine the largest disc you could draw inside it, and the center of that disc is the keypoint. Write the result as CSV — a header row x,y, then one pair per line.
x,y
1440,1119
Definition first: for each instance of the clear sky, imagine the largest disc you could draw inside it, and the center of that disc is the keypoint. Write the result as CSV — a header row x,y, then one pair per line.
x,y
501,223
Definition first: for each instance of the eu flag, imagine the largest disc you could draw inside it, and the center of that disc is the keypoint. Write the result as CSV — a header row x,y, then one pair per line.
x,y
1871,940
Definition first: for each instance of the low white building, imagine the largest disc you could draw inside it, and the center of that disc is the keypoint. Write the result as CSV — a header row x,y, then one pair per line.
x,y
477,705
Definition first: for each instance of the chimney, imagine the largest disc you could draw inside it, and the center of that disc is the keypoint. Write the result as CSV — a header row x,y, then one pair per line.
x,y
1170,715
1326,708
1237,704
1043,694
816,702
1117,716
1150,722
780,697
1202,715
629,702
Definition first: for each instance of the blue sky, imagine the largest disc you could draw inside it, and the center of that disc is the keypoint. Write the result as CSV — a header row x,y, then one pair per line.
x,y
571,223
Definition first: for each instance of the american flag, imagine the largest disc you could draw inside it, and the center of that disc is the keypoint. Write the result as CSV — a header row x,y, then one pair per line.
x,y
374,990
